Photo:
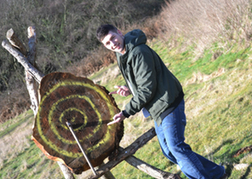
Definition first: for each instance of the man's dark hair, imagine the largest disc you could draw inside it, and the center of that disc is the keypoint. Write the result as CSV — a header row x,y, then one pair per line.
x,y
103,30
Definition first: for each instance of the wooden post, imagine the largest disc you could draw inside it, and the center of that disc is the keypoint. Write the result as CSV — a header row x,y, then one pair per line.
x,y
23,61
150,170
28,61
66,172
15,41
126,154
30,81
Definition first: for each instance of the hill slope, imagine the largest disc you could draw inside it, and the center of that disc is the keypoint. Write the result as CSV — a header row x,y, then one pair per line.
x,y
218,107
218,95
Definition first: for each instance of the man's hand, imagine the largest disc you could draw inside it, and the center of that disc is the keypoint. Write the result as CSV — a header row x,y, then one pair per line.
x,y
122,90
117,118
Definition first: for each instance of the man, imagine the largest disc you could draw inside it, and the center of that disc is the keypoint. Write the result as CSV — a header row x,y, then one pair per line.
x,y
158,93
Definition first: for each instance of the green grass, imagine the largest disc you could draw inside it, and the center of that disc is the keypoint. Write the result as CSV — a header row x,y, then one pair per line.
x,y
29,161
220,128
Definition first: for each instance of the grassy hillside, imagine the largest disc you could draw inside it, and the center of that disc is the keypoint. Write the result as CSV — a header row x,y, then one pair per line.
x,y
218,107
215,72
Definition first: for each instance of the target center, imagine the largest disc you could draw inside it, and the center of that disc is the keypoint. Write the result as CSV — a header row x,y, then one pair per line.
x,y
76,117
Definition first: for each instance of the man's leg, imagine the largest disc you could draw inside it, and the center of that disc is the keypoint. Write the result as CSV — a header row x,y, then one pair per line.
x,y
163,144
191,164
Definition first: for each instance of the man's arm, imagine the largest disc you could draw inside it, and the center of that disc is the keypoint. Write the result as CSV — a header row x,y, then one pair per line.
x,y
145,79
117,118
122,90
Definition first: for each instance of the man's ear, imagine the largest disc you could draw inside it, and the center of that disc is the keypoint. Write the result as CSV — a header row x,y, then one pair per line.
x,y
119,32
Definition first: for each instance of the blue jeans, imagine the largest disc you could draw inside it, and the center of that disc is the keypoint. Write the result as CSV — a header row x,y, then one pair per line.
x,y
171,138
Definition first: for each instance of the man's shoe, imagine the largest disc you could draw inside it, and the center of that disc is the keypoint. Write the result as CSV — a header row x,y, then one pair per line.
x,y
225,176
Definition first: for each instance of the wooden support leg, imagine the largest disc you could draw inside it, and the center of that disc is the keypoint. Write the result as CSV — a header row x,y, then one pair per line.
x,y
28,61
150,170
66,172
127,155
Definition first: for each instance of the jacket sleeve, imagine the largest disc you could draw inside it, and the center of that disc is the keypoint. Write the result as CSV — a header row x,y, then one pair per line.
x,y
143,78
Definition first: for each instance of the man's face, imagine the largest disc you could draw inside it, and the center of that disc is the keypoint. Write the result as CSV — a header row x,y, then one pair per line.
x,y
114,41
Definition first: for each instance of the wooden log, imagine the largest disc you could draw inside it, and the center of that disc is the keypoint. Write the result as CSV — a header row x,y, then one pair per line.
x,y
107,175
15,41
88,107
126,153
150,170
30,81
23,61
66,172
243,150
32,92
31,44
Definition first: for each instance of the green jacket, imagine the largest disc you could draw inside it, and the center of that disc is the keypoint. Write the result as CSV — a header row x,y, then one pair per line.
x,y
154,86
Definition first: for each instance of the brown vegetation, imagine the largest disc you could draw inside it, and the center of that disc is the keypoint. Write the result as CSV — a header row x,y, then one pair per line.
x,y
66,34
65,39
13,103
202,22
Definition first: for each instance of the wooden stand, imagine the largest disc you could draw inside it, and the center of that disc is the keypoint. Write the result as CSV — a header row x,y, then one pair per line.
x,y
33,75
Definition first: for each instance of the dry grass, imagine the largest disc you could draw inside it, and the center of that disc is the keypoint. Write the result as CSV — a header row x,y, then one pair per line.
x,y
15,142
213,92
201,22
93,62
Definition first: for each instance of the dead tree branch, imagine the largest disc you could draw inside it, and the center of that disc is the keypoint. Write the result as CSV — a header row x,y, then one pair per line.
x,y
15,41
30,81
150,170
23,61
27,60
126,154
